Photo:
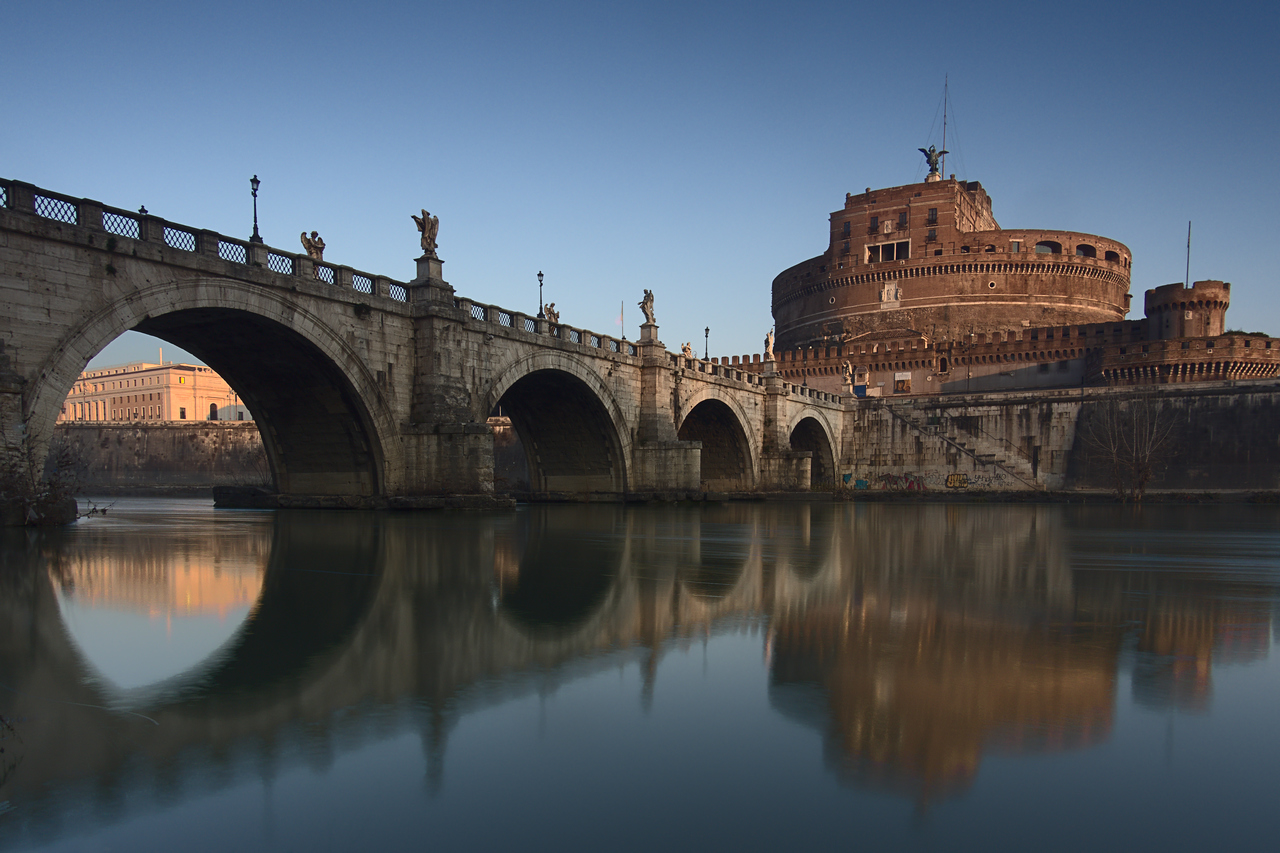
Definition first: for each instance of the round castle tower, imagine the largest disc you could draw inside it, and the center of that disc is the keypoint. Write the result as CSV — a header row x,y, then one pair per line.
x,y
930,259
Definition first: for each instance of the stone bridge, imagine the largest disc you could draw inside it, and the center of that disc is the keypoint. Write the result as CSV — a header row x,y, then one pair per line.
x,y
368,388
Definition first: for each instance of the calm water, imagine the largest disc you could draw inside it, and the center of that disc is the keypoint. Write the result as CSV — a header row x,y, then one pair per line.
x,y
743,676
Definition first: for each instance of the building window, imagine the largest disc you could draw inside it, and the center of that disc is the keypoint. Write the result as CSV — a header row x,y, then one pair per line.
x,y
933,216
933,236
182,413
847,226
881,252
213,411
875,223
1049,247
1015,245
239,414
902,220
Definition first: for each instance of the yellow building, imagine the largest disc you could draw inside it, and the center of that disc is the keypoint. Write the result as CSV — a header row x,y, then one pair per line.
x,y
142,391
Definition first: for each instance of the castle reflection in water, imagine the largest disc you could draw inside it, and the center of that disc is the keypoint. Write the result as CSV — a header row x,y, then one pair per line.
x,y
915,638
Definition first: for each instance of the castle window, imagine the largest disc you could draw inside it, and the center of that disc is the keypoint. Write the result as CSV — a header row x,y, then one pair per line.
x,y
847,226
1049,247
182,413
932,219
902,220
1084,250
1186,344
1112,256
1015,245
933,236
875,223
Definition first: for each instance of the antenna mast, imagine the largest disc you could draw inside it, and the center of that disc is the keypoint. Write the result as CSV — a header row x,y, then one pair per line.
x,y
1187,283
946,80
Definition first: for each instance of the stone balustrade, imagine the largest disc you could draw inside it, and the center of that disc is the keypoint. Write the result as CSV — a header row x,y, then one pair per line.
x,y
147,228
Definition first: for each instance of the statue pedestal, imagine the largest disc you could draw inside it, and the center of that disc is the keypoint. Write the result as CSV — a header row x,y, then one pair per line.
x,y
429,268
648,333
932,177
770,367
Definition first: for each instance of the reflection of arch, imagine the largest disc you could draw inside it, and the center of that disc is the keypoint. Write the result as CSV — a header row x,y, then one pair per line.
x,y
562,577
812,433
728,457
320,412
573,432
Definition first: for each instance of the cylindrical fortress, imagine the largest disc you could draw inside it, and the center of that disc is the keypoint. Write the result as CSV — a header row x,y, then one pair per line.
x,y
930,258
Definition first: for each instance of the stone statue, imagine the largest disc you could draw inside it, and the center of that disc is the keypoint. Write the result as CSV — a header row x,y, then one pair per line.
x,y
686,349
847,370
314,245
933,155
553,316
646,305
428,226
768,346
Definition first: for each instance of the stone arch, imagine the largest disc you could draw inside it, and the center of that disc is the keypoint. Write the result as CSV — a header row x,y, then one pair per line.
x,y
729,452
811,430
323,417
573,431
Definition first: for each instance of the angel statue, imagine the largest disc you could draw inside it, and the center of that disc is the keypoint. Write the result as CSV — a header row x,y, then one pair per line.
x,y
686,349
646,305
768,346
314,245
553,316
428,226
933,155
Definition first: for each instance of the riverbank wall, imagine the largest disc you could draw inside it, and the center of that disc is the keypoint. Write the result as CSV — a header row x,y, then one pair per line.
x,y
1214,437
164,458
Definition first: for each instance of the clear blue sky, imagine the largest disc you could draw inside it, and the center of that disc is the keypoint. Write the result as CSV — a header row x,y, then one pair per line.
x,y
694,149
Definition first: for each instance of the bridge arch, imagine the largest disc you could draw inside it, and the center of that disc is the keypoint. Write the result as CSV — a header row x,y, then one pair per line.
x,y
729,451
574,434
811,430
323,416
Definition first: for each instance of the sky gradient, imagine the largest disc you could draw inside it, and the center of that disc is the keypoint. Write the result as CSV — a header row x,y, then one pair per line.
x,y
696,150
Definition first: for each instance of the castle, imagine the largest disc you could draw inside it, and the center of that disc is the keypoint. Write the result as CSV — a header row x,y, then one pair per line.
x,y
920,291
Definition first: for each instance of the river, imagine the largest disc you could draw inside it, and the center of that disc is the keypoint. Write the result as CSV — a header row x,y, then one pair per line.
x,y
745,675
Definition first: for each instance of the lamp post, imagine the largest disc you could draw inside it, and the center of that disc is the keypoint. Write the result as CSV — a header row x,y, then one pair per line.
x,y
541,313
253,185
706,343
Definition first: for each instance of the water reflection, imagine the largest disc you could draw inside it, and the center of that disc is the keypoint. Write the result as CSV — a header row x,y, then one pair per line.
x,y
916,640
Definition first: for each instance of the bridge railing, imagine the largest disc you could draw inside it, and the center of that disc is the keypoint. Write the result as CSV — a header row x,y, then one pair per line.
x,y
142,226
506,319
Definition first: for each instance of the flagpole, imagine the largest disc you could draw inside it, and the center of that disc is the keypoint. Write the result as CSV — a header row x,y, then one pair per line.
x,y
622,316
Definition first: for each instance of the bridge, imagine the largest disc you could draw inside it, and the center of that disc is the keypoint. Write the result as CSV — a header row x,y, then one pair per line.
x,y
369,390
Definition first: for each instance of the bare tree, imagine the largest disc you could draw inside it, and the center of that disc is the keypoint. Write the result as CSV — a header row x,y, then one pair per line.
x,y
1128,437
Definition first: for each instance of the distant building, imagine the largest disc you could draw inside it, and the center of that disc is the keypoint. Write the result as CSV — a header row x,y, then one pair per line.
x,y
146,392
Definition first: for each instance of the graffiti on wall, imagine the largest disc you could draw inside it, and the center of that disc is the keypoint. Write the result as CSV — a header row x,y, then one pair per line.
x,y
957,481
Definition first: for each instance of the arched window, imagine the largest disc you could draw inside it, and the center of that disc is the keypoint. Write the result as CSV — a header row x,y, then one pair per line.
x,y
1112,256
1084,250
1049,247
213,411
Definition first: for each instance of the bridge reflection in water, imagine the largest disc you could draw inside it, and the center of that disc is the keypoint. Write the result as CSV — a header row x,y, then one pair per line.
x,y
915,639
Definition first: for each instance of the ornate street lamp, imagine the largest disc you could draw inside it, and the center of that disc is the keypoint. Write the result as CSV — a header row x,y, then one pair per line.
x,y
253,185
541,314
706,343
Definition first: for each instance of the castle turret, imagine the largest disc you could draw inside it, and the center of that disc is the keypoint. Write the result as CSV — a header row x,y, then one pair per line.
x,y
1199,311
